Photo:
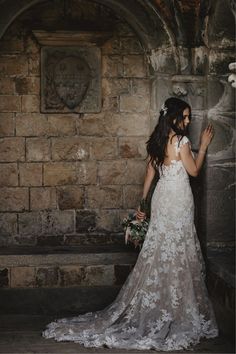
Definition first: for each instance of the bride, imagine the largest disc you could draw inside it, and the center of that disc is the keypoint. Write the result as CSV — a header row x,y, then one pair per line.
x,y
164,303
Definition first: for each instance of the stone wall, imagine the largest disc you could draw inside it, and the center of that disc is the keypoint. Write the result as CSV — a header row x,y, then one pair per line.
x,y
66,174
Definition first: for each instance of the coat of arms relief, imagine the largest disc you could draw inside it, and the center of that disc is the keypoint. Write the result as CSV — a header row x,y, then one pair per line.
x,y
70,79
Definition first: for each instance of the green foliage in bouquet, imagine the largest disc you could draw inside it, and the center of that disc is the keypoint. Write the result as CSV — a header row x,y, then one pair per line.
x,y
135,230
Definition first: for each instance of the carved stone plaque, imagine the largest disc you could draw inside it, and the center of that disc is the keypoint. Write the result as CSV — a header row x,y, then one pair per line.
x,y
70,79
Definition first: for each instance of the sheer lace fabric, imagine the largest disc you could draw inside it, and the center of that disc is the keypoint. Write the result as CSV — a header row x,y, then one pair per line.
x,y
164,303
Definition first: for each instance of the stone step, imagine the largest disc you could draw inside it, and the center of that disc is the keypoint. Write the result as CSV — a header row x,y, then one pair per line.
x,y
104,265
65,280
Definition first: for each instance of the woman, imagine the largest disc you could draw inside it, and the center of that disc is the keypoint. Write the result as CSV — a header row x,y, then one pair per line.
x,y
163,304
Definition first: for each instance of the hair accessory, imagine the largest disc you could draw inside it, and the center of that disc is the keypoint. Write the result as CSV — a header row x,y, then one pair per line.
x,y
164,109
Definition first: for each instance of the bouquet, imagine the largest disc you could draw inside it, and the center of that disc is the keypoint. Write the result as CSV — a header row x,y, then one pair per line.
x,y
135,230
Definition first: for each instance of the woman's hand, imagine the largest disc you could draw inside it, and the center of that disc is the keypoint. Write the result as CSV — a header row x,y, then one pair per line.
x,y
207,136
140,215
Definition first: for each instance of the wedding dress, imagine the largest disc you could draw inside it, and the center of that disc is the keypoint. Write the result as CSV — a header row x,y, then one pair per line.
x,y
164,303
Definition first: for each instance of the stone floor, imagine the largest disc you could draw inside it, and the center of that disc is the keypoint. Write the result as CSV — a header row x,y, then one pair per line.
x,y
22,334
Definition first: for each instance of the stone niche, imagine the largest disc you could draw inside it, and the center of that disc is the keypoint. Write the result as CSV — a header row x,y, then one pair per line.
x,y
70,71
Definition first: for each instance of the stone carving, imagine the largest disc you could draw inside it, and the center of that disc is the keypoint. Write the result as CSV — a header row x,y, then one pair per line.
x,y
232,77
70,79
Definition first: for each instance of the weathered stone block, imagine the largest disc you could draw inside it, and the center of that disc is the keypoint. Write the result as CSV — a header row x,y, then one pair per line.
x,y
95,124
31,174
220,216
112,172
112,66
58,222
27,85
34,65
7,124
140,87
85,220
108,220
12,149
132,147
112,46
104,197
14,199
130,45
125,124
4,277
116,86
86,172
195,128
103,148
8,224
136,104
135,172
99,275
59,173
122,124
22,277
163,60
10,103
30,223
60,125
110,104
30,103
13,65
71,275
8,174
33,124
74,148
220,176
70,197
37,149
46,277
134,66
132,196
222,143
42,198
7,86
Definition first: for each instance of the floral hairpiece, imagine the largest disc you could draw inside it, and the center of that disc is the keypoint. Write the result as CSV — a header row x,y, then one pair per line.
x,y
164,109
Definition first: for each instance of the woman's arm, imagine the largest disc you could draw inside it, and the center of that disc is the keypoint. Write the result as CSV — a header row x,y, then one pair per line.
x,y
193,166
150,173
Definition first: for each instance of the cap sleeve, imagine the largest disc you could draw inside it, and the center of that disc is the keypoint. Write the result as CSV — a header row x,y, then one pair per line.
x,y
180,142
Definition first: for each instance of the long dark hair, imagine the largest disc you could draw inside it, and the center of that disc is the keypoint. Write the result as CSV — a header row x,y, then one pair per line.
x,y
171,111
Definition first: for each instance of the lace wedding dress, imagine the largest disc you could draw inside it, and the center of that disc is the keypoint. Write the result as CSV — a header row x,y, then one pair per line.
x,y
164,303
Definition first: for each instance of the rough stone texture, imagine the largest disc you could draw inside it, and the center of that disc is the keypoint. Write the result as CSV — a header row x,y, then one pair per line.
x,y
132,196
58,222
38,149
13,65
61,125
14,199
27,85
10,103
30,103
7,86
103,148
132,147
70,197
30,223
22,277
8,174
8,224
46,277
74,148
104,197
30,174
12,149
43,198
85,220
34,124
59,173
86,172
7,124
4,280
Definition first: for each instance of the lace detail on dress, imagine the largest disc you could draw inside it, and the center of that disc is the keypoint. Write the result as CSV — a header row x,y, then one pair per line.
x,y
179,143
164,304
